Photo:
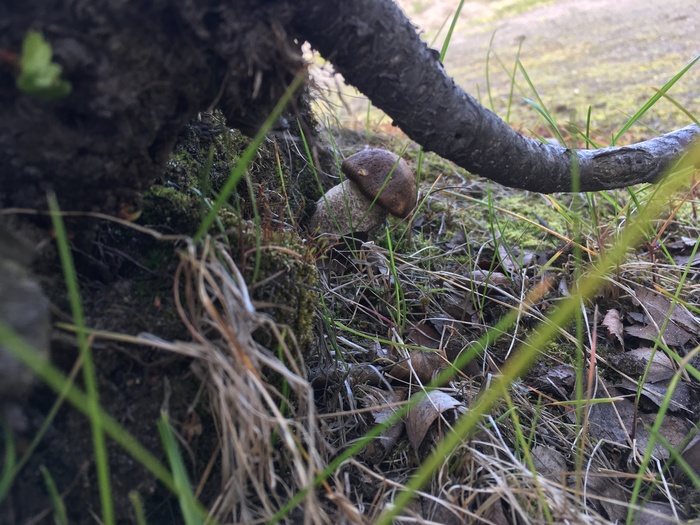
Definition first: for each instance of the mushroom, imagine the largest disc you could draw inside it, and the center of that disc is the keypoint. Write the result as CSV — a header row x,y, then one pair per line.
x,y
373,176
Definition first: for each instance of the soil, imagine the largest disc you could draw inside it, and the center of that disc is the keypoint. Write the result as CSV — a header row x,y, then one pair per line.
x,y
126,284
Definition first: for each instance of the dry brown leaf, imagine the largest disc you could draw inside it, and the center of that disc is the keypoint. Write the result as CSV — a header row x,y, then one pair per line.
x,y
673,429
549,462
425,334
657,513
685,260
422,416
656,392
681,327
459,305
612,496
353,373
673,335
613,500
691,454
377,262
635,362
509,264
604,423
339,257
493,279
378,398
494,513
558,378
423,363
457,241
613,323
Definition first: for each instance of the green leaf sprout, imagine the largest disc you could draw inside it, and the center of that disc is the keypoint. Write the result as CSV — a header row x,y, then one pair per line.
x,y
39,76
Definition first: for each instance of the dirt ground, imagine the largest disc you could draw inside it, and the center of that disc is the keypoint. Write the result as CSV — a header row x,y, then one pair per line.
x,y
578,53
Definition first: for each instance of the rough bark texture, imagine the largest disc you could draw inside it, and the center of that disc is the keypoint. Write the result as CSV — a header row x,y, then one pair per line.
x,y
374,46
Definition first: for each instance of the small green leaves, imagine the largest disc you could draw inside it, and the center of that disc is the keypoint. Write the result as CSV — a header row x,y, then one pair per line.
x,y
39,76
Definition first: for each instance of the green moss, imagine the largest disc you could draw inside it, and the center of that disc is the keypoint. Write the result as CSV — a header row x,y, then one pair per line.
x,y
281,276
259,223
171,209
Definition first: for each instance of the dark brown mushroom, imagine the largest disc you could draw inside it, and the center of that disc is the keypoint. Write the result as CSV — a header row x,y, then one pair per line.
x,y
378,171
371,173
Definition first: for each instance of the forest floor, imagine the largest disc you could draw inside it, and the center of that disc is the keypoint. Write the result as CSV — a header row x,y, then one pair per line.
x,y
202,331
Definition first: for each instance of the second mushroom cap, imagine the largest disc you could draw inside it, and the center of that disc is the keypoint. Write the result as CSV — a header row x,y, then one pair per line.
x,y
375,170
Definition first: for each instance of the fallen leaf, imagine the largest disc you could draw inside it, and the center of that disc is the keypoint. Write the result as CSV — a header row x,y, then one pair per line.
x,y
685,260
614,501
672,335
493,513
458,241
656,393
612,498
422,416
559,379
613,421
339,256
657,513
421,364
508,263
613,323
496,280
354,373
549,462
459,305
635,362
377,264
425,334
691,454
681,327
371,397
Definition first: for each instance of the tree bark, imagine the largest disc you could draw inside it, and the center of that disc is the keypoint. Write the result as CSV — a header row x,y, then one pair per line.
x,y
375,47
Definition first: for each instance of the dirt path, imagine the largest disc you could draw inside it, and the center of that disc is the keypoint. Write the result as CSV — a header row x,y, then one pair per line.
x,y
609,55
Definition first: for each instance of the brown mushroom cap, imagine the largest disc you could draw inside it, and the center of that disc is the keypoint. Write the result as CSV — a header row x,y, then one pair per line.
x,y
370,168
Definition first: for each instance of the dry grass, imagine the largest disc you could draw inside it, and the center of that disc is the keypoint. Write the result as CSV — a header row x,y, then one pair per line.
x,y
270,444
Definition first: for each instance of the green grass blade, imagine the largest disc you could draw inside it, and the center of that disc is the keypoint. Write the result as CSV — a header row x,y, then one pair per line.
x,y
634,118
548,119
681,108
247,157
540,106
8,467
401,310
188,506
489,94
59,508
448,37
511,91
89,375
140,515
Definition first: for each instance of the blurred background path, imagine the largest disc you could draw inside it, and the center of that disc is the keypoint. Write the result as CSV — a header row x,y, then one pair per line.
x,y
578,53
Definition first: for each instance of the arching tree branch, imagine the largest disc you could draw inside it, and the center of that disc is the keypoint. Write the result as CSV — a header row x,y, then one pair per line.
x,y
375,47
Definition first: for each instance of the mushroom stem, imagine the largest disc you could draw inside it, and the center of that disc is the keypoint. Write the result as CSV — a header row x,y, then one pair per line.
x,y
345,209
